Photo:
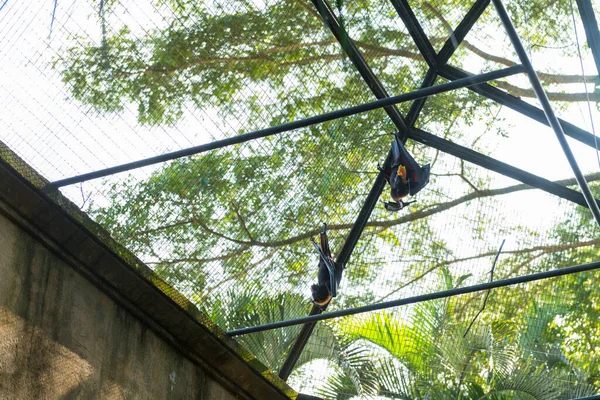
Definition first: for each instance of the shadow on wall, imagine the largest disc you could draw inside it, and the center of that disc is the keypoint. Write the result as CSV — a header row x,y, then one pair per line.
x,y
31,363
61,337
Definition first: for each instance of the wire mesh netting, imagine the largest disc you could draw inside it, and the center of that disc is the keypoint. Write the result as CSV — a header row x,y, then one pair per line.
x,y
439,19
558,35
441,348
89,85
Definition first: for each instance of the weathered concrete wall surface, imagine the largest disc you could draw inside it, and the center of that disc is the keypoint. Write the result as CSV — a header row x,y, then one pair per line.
x,y
61,337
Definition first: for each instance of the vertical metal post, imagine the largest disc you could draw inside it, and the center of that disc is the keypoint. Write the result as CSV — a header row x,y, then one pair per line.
x,y
590,25
541,95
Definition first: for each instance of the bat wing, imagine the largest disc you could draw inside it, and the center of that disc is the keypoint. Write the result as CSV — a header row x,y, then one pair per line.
x,y
387,172
330,266
419,176
325,243
326,257
338,274
402,156
332,281
421,179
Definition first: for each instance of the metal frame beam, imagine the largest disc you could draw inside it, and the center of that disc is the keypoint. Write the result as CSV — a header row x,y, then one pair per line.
x,y
435,62
590,25
302,123
343,258
417,105
543,99
421,298
324,9
461,31
338,31
298,346
500,167
416,32
379,91
445,53
518,105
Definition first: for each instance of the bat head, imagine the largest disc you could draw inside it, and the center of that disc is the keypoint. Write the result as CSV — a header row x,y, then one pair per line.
x,y
320,294
399,193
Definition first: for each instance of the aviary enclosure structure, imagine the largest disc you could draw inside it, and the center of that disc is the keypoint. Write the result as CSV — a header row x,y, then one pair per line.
x,y
213,139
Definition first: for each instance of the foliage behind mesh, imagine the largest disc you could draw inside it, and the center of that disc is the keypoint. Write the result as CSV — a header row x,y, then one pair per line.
x,y
230,228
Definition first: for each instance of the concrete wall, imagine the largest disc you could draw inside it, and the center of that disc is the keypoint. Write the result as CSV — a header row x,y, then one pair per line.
x,y
61,337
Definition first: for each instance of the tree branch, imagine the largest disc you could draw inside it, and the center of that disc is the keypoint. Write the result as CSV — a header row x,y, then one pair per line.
x,y
238,275
417,215
200,260
546,77
206,228
242,221
464,178
371,51
163,228
542,249
308,8
553,96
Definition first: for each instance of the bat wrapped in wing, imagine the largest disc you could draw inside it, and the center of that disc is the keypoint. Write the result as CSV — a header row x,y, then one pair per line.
x,y
329,275
405,176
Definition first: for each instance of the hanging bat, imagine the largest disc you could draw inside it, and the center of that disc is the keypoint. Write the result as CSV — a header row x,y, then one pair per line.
x,y
405,176
329,272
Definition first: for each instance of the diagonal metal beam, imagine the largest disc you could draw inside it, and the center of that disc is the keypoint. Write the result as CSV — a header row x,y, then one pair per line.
x,y
461,31
417,105
379,91
395,116
548,111
416,31
358,60
553,273
591,29
342,258
516,104
500,167
445,53
301,123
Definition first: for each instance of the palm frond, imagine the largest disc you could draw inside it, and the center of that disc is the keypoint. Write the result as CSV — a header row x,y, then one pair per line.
x,y
395,336
536,324
398,382
457,353
252,307
538,383
355,374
